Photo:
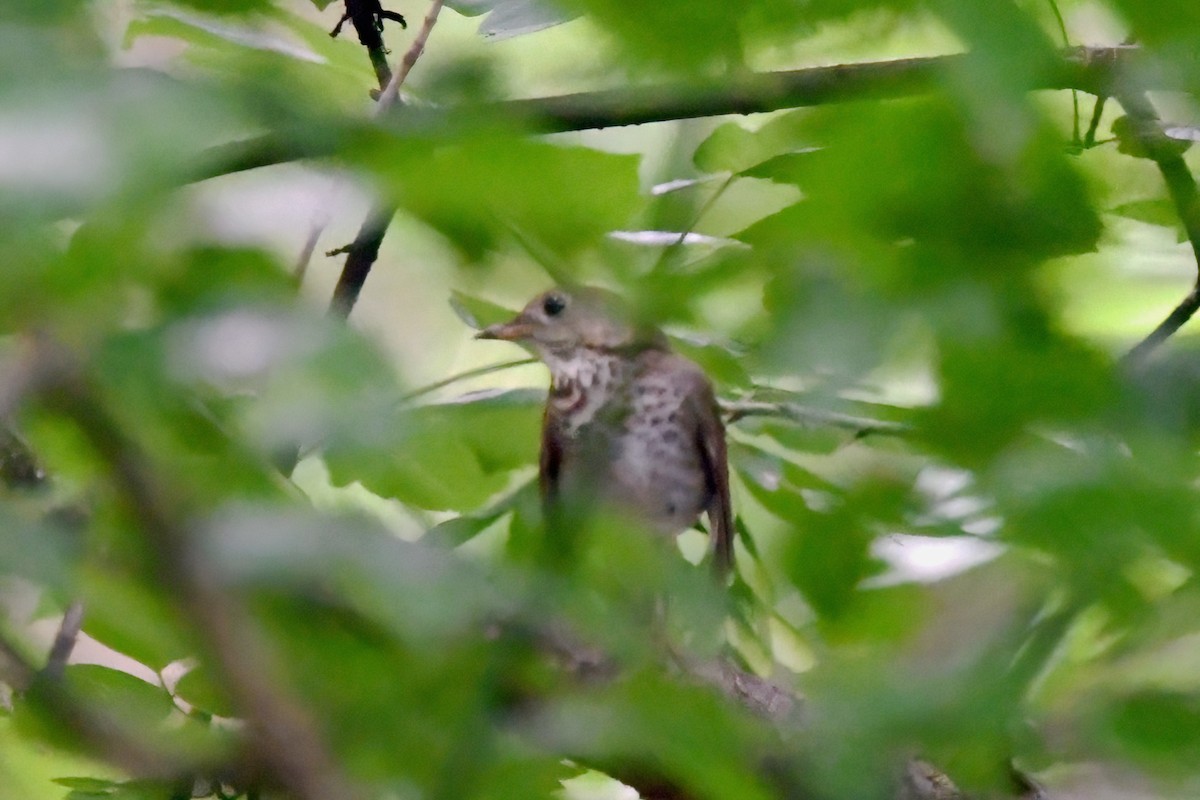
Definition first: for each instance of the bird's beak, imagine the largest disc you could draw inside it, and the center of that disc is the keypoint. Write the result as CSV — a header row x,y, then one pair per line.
x,y
513,331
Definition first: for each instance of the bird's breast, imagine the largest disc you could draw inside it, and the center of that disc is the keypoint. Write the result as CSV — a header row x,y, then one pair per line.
x,y
581,387
632,446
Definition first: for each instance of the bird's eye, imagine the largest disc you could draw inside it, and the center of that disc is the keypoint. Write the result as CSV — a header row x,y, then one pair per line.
x,y
554,304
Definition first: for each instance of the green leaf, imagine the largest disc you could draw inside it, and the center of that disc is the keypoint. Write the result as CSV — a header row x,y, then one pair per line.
x,y
1159,212
511,18
734,148
417,592
476,190
462,529
120,693
134,619
198,689
1159,728
477,312
456,453
647,722
96,785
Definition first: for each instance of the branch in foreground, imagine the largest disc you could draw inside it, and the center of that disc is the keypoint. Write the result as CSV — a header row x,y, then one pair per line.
x,y
64,641
1092,70
19,468
1144,127
285,740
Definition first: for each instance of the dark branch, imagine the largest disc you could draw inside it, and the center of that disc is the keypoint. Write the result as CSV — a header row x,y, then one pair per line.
x,y
361,255
64,641
19,468
1091,70
364,250
367,17
1144,128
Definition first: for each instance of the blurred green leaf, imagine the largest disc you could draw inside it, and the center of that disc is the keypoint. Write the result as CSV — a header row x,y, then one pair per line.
x,y
415,591
198,689
509,18
131,699
733,148
457,453
475,190
461,529
1153,212
134,619
478,313
1159,728
86,784
649,723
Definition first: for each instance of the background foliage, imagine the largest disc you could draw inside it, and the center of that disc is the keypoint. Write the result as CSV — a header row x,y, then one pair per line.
x,y
969,525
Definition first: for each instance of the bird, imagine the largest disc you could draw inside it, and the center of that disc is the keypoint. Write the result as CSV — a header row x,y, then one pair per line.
x,y
628,423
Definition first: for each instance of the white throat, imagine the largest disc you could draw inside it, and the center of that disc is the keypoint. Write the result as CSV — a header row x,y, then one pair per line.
x,y
583,384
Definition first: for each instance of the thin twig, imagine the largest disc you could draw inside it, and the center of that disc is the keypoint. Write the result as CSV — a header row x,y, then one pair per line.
x,y
670,250
1066,40
1145,127
364,250
1089,138
316,227
812,417
64,641
462,376
372,39
392,91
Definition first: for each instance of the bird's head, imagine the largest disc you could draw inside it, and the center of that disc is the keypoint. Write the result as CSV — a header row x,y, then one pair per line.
x,y
560,322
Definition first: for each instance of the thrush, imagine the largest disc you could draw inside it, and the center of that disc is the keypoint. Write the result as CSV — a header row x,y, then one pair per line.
x,y
628,423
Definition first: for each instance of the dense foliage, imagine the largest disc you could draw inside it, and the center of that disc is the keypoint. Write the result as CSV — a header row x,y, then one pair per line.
x,y
968,525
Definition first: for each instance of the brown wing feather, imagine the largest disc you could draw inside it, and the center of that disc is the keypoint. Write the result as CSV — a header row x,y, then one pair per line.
x,y
710,440
549,459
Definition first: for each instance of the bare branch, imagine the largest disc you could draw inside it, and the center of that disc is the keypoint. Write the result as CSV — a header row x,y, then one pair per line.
x,y
1091,70
364,250
1146,130
392,91
361,255
64,641
462,376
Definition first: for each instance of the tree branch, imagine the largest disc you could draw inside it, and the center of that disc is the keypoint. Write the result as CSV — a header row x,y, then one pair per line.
x,y
19,468
1146,131
284,739
362,253
64,641
1092,70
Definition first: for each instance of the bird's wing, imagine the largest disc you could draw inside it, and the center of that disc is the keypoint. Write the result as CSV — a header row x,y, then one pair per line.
x,y
710,442
550,458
